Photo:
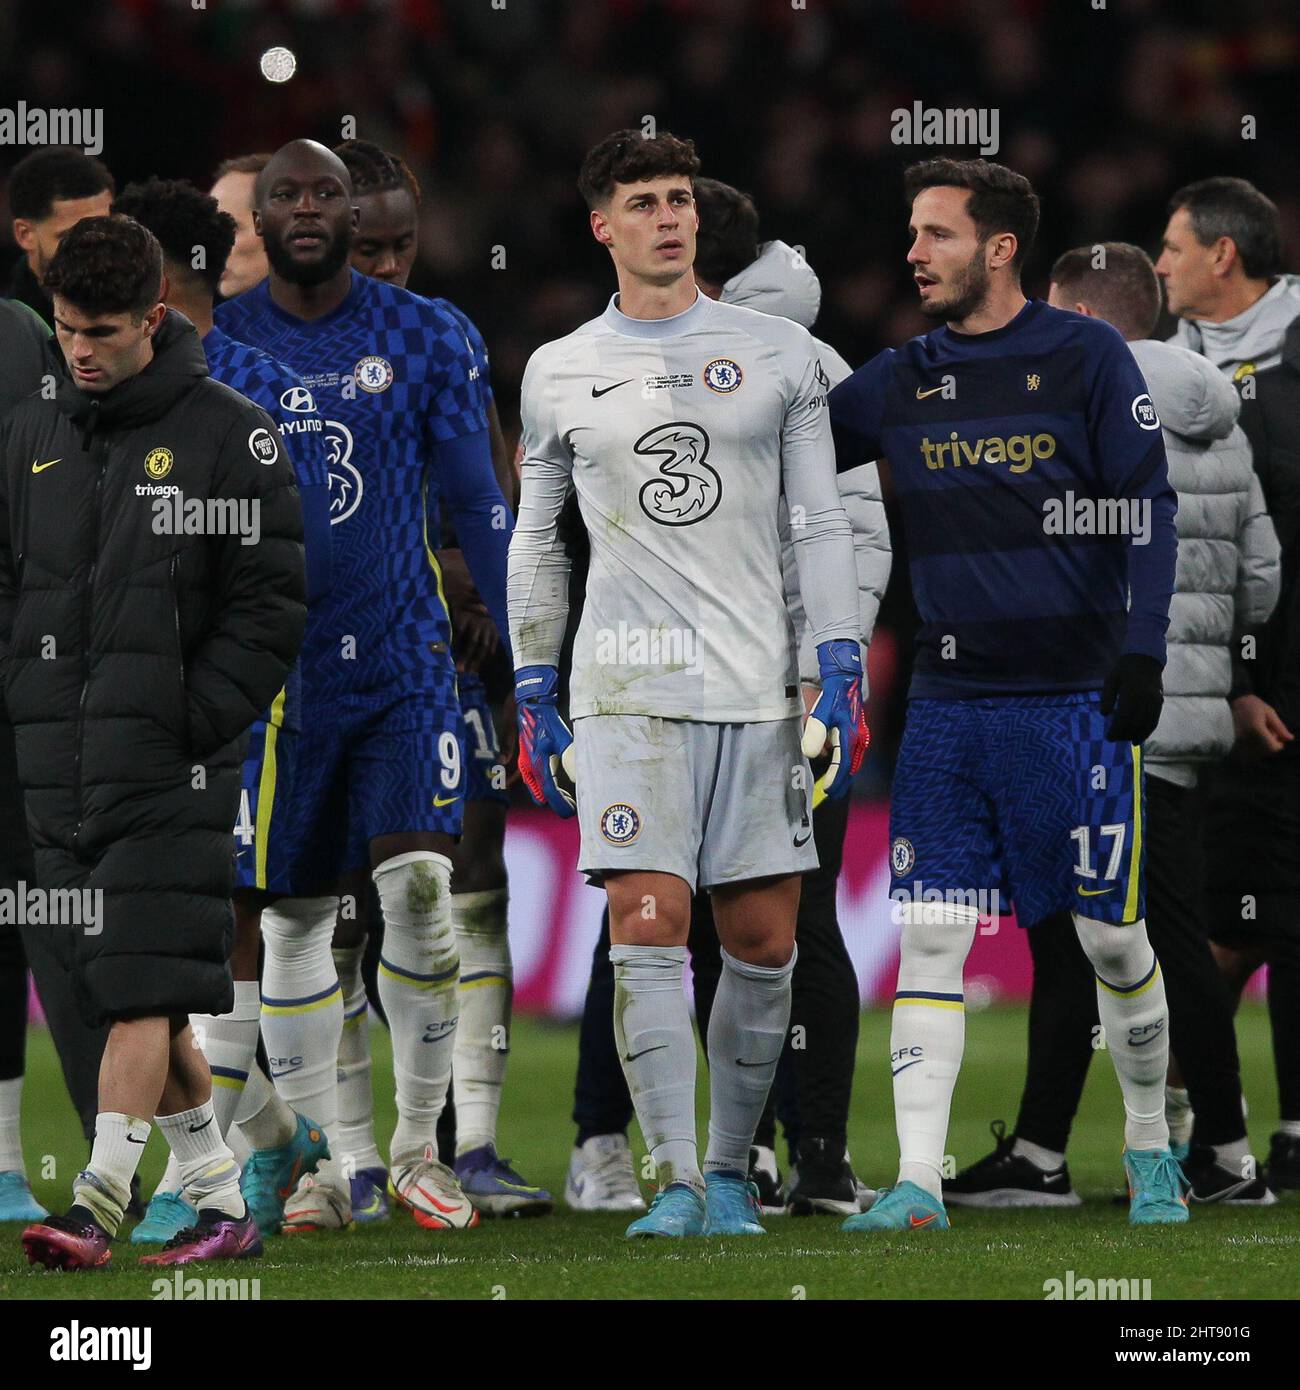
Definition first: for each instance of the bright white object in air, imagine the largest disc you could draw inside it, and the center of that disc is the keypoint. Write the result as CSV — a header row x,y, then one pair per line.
x,y
278,64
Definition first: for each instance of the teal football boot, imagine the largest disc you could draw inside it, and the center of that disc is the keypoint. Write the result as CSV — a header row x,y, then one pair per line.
x,y
731,1205
16,1200
271,1176
167,1214
906,1207
1156,1188
677,1210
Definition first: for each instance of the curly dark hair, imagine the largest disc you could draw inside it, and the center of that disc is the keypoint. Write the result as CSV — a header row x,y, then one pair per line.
x,y
376,171
51,174
627,156
107,265
1001,200
184,220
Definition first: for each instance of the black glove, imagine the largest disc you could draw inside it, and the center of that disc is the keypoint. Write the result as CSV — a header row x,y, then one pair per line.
x,y
1134,692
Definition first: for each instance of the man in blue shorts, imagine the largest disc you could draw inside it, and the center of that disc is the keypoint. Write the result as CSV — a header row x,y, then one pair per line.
x,y
380,782
1032,484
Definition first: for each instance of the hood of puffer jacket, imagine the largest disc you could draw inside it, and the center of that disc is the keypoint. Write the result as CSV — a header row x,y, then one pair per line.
x,y
1254,336
780,282
1191,396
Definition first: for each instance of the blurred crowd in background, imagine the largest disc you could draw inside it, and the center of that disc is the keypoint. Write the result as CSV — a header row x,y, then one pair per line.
x,y
493,107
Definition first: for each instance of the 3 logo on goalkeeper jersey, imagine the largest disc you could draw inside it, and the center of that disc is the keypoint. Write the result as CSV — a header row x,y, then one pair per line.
x,y
620,823
689,488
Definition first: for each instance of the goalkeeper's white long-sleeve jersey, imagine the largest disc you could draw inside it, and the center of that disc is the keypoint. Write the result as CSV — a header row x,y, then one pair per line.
x,y
680,436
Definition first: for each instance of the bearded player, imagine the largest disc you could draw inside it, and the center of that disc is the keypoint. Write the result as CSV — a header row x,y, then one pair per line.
x,y
1038,663
680,422
380,780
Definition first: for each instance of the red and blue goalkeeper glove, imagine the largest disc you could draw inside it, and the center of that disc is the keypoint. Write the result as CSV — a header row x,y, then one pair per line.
x,y
545,741
838,716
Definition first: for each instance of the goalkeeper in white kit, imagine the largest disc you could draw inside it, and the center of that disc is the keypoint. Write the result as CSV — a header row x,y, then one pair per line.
x,y
680,422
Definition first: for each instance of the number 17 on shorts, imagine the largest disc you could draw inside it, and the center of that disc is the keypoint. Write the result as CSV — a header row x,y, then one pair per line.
x,y
1109,846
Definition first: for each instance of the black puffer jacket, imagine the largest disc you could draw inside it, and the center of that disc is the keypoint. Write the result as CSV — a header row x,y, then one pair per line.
x,y
135,662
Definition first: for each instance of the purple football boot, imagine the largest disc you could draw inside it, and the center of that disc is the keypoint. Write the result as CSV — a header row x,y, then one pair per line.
x,y
215,1237
63,1242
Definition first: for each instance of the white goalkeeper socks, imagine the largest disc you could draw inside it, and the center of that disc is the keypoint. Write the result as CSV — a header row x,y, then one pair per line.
x,y
656,1045
747,1027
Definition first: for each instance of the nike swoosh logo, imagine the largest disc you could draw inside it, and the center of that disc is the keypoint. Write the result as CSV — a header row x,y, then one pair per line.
x,y
605,390
798,843
446,800
924,1221
194,1129
921,395
1092,892
632,1056
433,1201
288,1188
740,1062
905,1066
131,1139
41,467
1152,1039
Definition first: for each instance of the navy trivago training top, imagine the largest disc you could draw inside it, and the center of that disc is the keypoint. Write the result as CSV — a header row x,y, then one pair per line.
x,y
1030,472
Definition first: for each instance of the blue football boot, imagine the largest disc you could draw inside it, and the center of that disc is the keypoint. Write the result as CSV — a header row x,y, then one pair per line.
x,y
270,1176
1156,1188
166,1215
16,1200
906,1207
731,1205
677,1210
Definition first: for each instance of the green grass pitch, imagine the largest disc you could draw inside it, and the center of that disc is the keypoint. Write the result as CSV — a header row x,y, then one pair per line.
x,y
1236,1253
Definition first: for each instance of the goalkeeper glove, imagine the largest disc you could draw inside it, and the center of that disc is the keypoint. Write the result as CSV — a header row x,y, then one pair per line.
x,y
1134,692
838,712
546,757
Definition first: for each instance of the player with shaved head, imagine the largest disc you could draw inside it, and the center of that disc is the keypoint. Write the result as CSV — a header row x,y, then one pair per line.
x,y
380,782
